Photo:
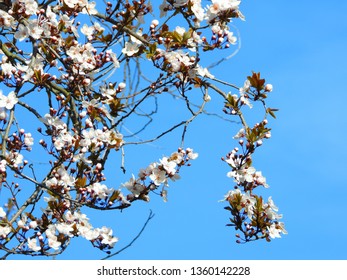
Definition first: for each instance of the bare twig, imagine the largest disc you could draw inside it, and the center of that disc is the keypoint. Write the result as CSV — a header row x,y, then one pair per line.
x,y
150,217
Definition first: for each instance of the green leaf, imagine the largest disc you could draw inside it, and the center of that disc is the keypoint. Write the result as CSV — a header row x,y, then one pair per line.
x,y
187,35
271,112
177,37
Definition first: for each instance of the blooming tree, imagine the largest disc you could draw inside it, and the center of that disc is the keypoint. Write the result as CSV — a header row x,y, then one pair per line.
x,y
71,81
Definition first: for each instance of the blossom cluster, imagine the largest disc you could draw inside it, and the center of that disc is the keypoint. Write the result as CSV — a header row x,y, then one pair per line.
x,y
263,217
158,174
73,70
43,237
250,214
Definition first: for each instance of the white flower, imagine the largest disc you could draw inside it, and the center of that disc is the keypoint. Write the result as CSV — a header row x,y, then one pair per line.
x,y
158,176
191,154
3,164
175,59
248,174
198,10
272,204
232,194
203,72
134,186
52,239
231,38
246,87
280,226
53,121
134,39
240,173
33,245
16,158
249,202
273,231
169,166
64,137
2,213
9,101
107,237
71,3
65,178
245,100
5,19
8,69
35,30
31,7
21,223
87,30
99,190
89,8
233,161
65,228
180,30
179,3
176,157
22,33
75,53
272,215
88,232
260,179
130,49
51,16
53,242
163,8
33,224
51,182
4,231
28,139
240,134
113,58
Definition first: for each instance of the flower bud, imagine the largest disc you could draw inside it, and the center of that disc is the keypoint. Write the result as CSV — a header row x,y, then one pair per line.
x,y
259,143
155,22
122,85
86,81
33,224
207,98
268,87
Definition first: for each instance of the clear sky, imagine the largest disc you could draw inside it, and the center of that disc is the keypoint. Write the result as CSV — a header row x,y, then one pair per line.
x,y
300,48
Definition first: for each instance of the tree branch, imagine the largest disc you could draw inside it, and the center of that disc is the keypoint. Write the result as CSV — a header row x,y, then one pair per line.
x,y
150,217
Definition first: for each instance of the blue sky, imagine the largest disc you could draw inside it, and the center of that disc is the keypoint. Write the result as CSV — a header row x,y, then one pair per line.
x,y
299,47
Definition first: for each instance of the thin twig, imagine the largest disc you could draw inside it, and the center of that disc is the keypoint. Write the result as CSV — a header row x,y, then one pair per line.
x,y
150,217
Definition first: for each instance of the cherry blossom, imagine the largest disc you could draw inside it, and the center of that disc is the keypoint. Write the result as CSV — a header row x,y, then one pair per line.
x,y
9,101
2,213
32,244
130,48
4,231
75,75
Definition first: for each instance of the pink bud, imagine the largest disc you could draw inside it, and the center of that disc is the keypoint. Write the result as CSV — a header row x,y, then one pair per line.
x,y
86,81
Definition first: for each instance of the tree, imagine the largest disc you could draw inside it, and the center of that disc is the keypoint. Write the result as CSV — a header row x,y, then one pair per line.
x,y
74,70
